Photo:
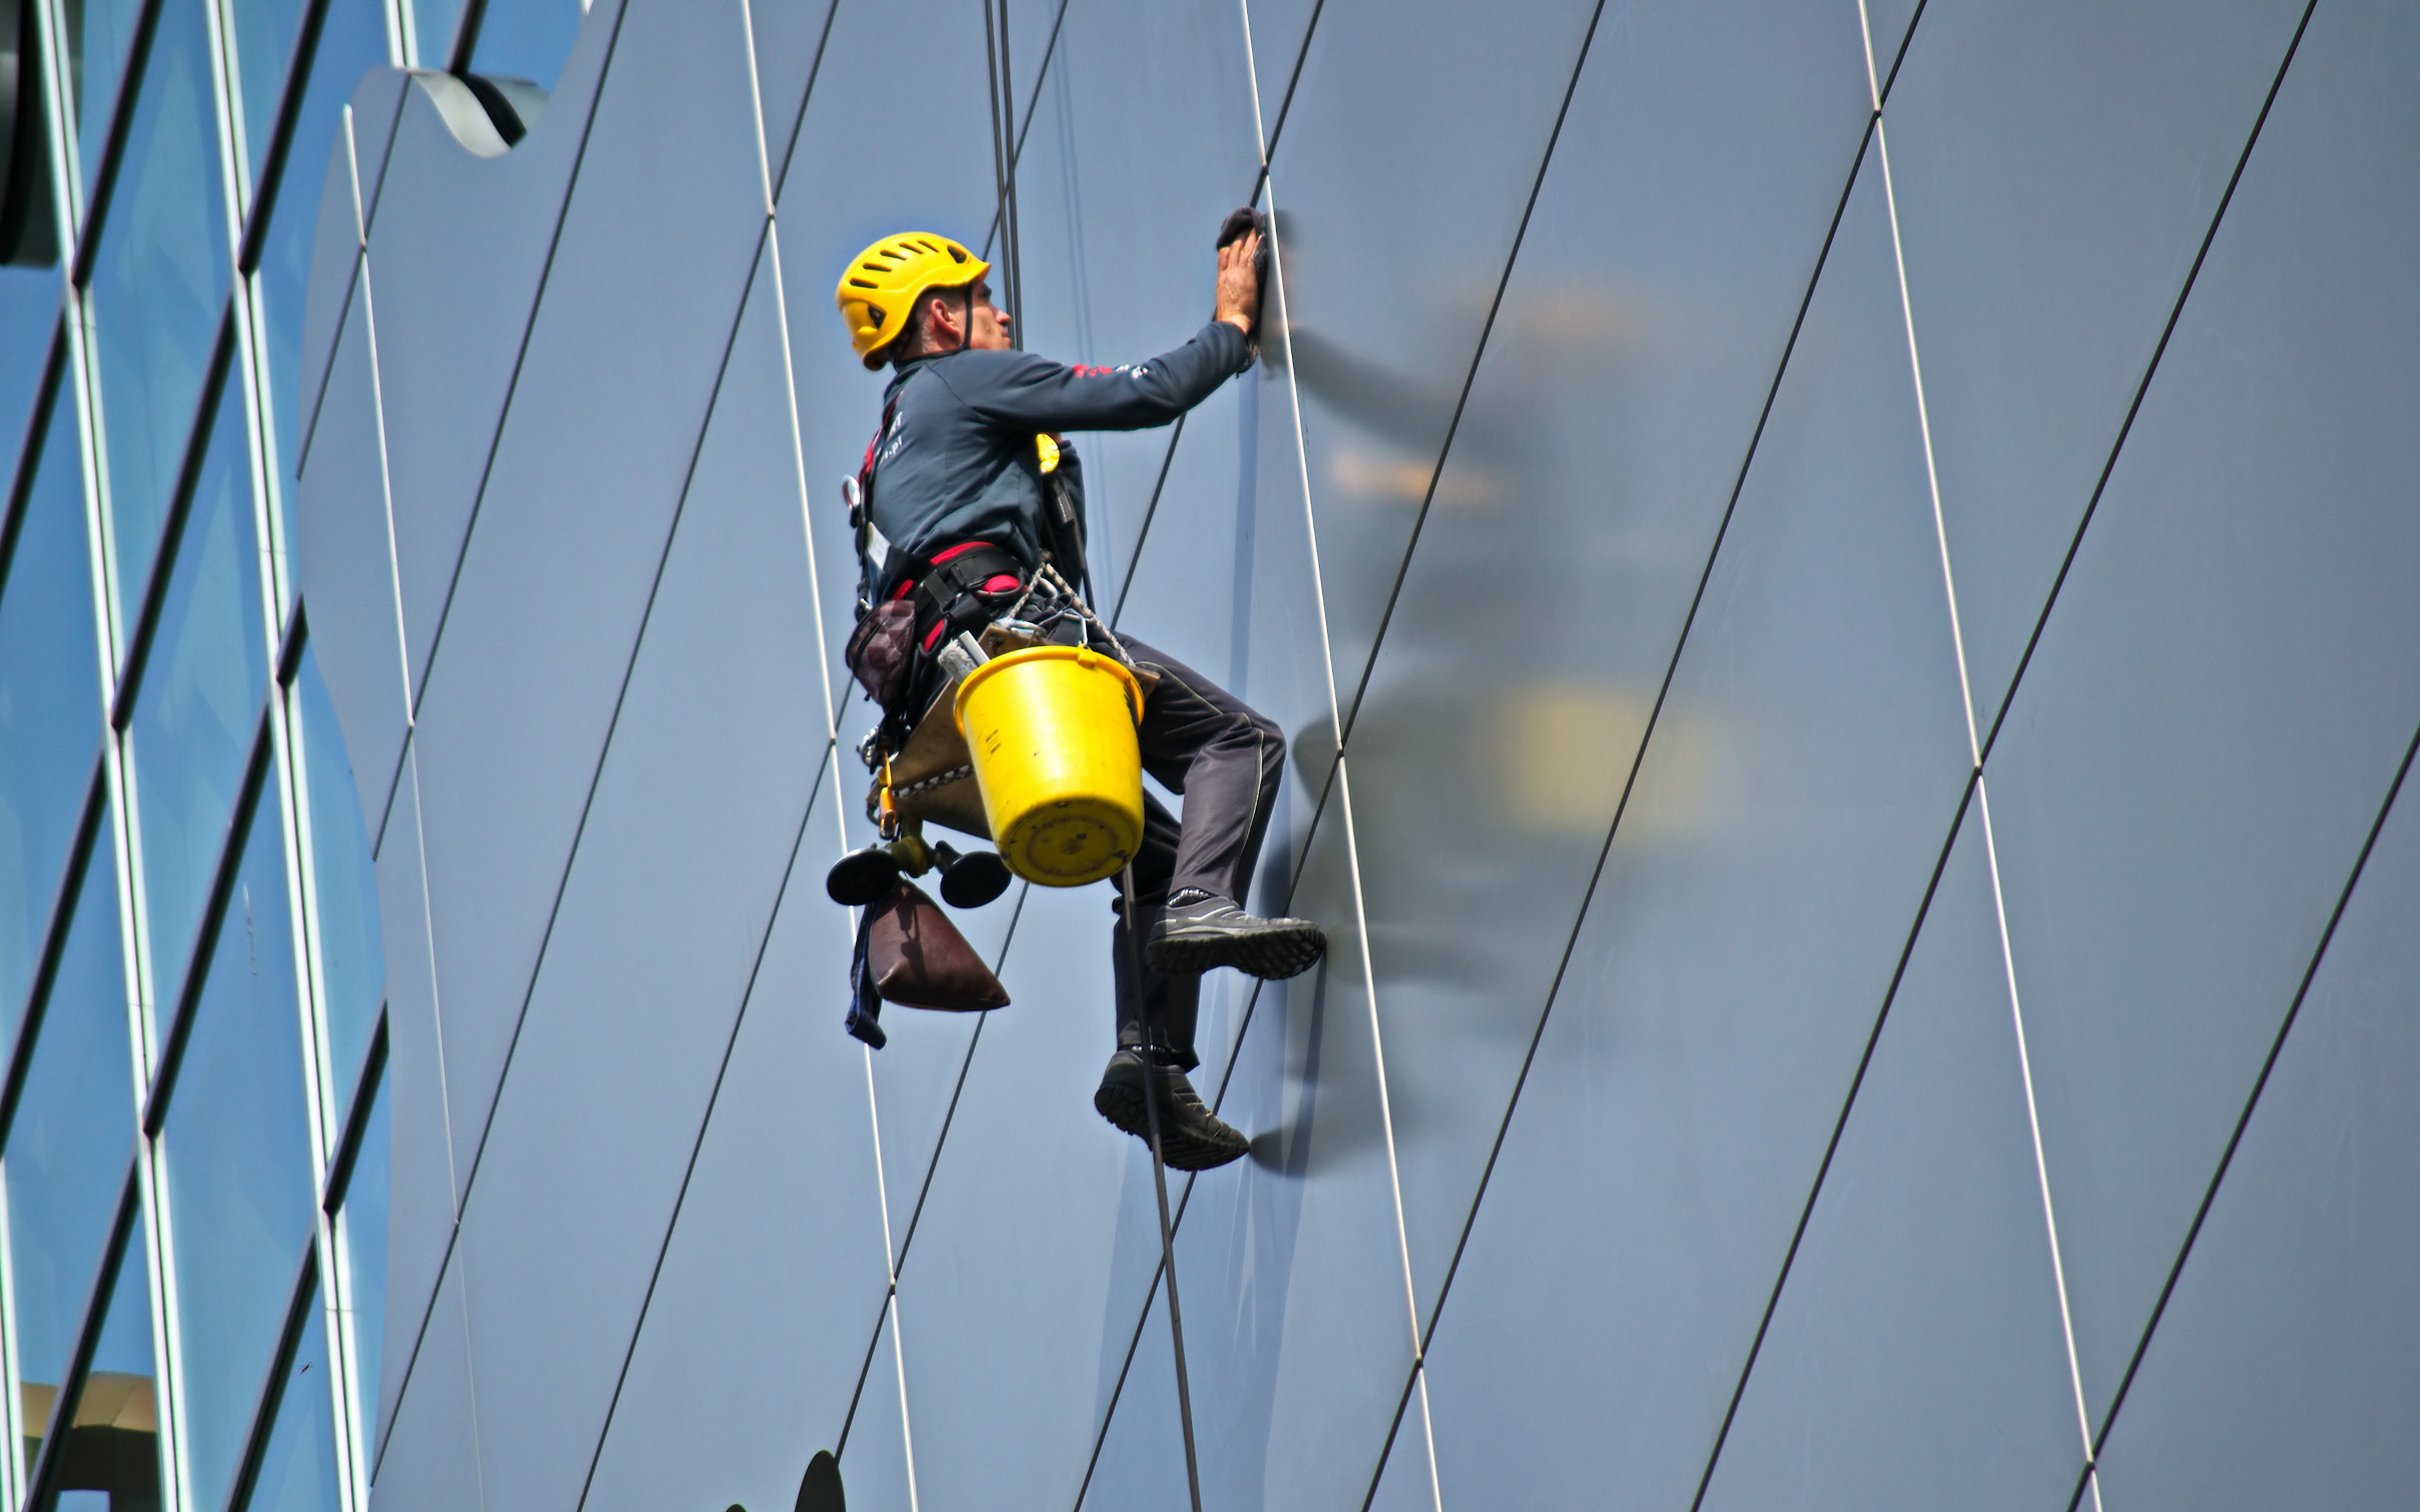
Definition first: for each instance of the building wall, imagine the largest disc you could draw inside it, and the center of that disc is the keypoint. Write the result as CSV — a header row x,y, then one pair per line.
x,y
1841,584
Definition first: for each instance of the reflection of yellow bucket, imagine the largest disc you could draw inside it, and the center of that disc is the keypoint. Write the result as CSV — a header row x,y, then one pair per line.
x,y
1052,732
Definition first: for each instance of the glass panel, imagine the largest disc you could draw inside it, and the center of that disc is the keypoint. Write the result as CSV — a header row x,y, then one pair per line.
x,y
112,1462
199,704
98,32
29,313
2045,247
1916,1359
50,704
70,1142
529,38
159,286
2220,698
298,1469
434,22
238,1161
352,956
352,41
2283,1362
361,1229
264,44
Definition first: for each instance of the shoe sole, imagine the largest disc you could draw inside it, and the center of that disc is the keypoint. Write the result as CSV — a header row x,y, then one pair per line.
x,y
1271,954
1123,1108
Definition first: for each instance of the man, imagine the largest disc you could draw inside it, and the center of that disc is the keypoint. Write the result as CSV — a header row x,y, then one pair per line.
x,y
968,491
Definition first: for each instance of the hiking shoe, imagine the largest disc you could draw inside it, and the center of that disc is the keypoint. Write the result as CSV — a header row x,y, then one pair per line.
x,y
1213,932
1191,1137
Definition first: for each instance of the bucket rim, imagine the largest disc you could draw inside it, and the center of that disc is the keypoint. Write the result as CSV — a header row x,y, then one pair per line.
x,y
1084,655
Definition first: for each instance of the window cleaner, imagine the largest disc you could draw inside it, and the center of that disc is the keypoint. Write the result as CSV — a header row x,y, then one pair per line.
x,y
969,510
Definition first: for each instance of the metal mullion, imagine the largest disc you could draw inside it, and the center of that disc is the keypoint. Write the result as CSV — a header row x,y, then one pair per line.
x,y
168,1324
338,1186
67,185
20,486
302,873
12,1406
226,84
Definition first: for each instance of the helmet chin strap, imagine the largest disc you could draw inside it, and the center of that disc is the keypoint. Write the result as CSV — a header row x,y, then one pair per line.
x,y
966,319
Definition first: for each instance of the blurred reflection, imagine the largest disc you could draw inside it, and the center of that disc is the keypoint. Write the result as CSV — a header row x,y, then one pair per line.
x,y
112,1446
70,1142
49,703
1502,731
159,286
199,702
264,42
236,1147
527,38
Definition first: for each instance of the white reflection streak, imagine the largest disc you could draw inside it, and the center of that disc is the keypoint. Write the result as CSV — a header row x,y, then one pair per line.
x,y
1982,790
823,682
1344,778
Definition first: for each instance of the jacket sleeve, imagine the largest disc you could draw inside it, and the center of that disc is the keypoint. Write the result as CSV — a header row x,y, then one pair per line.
x,y
1021,391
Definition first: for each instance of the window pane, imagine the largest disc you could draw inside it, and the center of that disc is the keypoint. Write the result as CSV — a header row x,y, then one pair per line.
x,y
158,287
264,40
298,1470
352,959
362,1224
238,1162
98,33
71,1140
29,312
50,705
528,39
352,41
199,702
434,20
113,1459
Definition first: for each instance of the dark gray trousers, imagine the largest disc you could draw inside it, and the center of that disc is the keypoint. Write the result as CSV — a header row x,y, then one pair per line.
x,y
1203,742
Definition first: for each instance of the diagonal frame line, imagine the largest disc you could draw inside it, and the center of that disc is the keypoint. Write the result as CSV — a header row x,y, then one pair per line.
x,y
1630,783
579,831
1471,375
2243,1120
704,1123
2150,370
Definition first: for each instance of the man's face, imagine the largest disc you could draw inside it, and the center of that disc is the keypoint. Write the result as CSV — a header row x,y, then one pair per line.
x,y
946,325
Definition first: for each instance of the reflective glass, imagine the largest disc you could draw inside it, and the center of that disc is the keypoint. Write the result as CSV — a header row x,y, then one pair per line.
x,y
264,45
159,286
238,1161
1383,298
1670,250
362,1228
2221,694
29,313
353,958
1916,1359
352,41
1793,803
530,38
98,33
433,25
784,1186
49,703
71,1140
298,1469
2281,1367
2045,245
200,702
113,1453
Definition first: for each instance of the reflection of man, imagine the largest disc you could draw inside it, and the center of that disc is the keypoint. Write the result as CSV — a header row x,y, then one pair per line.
x,y
971,491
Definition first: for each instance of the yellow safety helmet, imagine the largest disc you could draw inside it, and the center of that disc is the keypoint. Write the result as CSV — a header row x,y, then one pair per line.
x,y
884,282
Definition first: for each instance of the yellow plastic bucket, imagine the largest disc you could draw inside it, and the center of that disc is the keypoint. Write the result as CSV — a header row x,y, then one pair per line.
x,y
1052,733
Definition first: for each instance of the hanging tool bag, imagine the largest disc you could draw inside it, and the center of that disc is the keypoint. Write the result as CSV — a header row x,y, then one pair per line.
x,y
908,951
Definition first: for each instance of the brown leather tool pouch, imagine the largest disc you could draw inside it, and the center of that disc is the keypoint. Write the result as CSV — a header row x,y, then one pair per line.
x,y
917,957
882,651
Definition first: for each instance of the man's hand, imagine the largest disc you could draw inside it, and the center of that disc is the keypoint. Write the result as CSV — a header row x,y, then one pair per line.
x,y
1239,286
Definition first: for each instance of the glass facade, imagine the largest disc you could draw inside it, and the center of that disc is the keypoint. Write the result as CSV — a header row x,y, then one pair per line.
x,y
1842,583
191,992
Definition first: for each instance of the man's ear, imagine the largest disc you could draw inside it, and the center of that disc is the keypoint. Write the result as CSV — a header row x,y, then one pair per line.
x,y
943,323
